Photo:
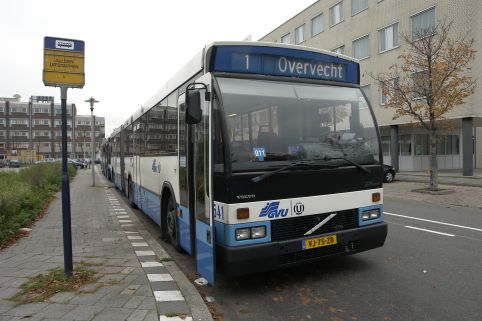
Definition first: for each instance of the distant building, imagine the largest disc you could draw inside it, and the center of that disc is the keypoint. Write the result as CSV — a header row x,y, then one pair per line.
x,y
32,130
370,31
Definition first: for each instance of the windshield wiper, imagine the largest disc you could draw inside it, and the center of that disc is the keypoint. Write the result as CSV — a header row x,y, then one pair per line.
x,y
292,165
364,169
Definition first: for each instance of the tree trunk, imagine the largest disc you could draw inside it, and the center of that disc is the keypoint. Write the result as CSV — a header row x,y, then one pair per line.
x,y
433,162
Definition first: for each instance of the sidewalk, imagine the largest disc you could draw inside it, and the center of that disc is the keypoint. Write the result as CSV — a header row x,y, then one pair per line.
x,y
446,177
137,281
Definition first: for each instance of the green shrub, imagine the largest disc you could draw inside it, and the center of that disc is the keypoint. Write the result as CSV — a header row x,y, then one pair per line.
x,y
24,193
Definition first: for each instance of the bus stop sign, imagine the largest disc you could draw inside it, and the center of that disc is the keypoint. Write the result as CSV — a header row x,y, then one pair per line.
x,y
63,62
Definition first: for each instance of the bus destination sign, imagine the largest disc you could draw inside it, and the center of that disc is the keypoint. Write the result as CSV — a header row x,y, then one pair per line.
x,y
285,62
63,62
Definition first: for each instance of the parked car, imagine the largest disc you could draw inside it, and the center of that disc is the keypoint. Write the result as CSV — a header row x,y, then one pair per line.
x,y
14,164
388,173
78,163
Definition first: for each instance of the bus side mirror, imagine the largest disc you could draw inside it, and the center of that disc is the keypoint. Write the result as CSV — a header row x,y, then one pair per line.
x,y
193,107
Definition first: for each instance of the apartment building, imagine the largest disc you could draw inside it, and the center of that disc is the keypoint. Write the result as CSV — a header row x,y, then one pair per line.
x,y
369,30
33,130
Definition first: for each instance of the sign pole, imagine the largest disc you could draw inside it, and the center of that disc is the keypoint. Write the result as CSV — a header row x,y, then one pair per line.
x,y
66,220
64,68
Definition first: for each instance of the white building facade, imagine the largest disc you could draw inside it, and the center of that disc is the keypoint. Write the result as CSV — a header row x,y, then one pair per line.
x,y
369,30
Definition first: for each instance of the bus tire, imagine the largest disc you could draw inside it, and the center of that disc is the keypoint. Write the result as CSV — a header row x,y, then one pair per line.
x,y
171,224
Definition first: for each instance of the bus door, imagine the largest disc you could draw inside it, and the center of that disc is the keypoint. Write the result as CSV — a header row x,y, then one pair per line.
x,y
199,165
122,163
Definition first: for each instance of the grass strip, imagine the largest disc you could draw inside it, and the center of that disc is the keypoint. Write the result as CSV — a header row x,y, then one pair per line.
x,y
25,194
41,287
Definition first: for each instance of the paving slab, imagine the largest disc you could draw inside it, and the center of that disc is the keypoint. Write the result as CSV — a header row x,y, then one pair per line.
x,y
117,247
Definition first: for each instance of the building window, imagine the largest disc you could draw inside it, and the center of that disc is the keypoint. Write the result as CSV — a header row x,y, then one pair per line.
x,y
340,50
2,121
423,23
361,48
2,109
421,84
336,14
19,133
38,122
358,6
14,121
452,144
421,145
386,145
445,145
286,38
384,88
317,25
405,145
41,110
300,34
388,38
18,110
367,90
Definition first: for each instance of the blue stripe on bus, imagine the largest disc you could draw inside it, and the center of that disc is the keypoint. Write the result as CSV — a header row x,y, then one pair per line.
x,y
184,230
148,202
378,220
226,233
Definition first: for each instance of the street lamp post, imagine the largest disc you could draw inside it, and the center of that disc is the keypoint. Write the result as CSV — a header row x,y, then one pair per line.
x,y
92,101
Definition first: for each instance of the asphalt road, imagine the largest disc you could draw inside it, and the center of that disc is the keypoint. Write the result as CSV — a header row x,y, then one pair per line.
x,y
429,269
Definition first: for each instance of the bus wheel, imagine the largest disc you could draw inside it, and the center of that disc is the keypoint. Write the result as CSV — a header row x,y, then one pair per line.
x,y
171,223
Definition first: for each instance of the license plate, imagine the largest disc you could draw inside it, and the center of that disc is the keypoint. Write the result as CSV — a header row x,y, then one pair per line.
x,y
318,242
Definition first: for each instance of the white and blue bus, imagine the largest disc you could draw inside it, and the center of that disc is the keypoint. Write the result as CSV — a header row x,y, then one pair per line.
x,y
256,156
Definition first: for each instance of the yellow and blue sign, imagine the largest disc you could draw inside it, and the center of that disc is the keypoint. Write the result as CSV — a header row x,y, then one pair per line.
x,y
64,62
287,62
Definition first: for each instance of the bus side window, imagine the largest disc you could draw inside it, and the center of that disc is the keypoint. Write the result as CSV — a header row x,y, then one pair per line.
x,y
218,139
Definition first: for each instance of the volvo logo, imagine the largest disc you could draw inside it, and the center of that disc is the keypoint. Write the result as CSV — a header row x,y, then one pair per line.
x,y
298,208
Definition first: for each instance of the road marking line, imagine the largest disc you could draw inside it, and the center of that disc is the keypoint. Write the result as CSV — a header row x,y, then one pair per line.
x,y
137,244
176,318
125,221
134,237
159,277
168,296
127,225
122,216
151,264
436,222
145,253
127,232
430,231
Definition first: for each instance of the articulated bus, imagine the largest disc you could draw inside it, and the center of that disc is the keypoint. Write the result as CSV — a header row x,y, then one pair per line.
x,y
256,156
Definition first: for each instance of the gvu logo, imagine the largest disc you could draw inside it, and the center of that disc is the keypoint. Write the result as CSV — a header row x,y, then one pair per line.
x,y
271,210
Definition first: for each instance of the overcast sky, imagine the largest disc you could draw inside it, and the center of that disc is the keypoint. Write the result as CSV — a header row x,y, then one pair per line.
x,y
132,47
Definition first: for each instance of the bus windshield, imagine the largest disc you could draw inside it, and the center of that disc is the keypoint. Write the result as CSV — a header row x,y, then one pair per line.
x,y
274,123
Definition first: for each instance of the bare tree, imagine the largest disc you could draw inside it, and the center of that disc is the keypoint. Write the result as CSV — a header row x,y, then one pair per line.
x,y
430,78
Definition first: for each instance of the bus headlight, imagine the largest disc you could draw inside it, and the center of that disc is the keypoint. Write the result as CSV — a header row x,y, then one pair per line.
x,y
258,232
371,214
243,234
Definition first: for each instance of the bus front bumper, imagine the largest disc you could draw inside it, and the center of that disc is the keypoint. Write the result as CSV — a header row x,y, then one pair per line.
x,y
235,261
